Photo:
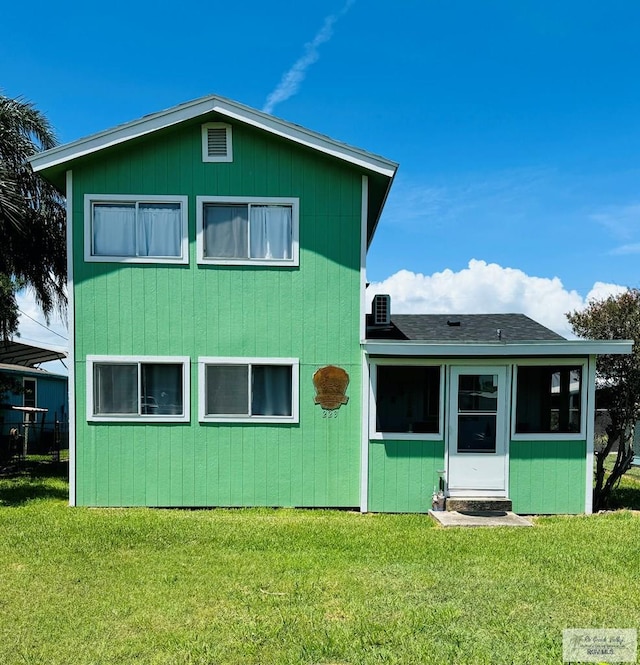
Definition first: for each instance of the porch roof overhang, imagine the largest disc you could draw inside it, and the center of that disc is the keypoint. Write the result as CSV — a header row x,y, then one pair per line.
x,y
29,355
497,349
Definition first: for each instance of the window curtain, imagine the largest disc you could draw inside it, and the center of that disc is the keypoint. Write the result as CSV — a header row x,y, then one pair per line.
x,y
271,390
115,389
270,232
225,231
114,230
159,229
227,389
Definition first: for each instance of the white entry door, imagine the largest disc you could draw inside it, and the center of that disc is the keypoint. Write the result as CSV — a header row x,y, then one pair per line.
x,y
477,431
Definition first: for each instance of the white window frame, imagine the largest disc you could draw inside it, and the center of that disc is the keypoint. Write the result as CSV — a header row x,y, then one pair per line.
x,y
185,417
203,362
253,200
91,199
206,157
551,436
373,389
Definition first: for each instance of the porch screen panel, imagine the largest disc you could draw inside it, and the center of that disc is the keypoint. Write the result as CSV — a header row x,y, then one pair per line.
x,y
549,399
408,399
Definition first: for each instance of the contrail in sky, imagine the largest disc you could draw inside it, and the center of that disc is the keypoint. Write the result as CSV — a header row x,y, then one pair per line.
x,y
291,80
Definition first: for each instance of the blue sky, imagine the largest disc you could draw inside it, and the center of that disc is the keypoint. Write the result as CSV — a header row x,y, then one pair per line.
x,y
516,124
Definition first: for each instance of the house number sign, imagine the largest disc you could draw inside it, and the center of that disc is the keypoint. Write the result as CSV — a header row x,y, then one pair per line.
x,y
331,384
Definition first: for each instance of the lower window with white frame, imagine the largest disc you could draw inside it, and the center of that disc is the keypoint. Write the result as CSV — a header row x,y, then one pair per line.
x,y
137,388
549,399
407,401
261,390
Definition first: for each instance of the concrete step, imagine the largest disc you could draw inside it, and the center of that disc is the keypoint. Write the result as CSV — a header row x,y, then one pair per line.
x,y
477,504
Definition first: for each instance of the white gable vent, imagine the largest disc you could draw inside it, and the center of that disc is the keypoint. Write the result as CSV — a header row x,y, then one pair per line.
x,y
381,310
216,142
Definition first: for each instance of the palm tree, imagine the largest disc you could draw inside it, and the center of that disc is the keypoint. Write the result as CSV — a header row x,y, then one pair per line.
x,y
32,215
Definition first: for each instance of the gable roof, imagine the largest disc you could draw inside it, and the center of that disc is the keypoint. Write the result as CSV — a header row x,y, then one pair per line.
x,y
466,328
54,162
225,107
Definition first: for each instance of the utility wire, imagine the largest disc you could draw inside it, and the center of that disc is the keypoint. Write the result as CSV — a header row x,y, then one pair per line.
x,y
43,326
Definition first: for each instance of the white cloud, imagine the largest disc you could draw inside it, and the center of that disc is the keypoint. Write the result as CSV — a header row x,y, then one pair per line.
x,y
487,288
292,79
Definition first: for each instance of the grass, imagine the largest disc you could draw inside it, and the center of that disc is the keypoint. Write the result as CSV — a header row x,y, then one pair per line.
x,y
297,586
627,494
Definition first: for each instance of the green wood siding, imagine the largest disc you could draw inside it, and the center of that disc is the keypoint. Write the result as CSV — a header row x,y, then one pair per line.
x,y
402,475
310,312
547,476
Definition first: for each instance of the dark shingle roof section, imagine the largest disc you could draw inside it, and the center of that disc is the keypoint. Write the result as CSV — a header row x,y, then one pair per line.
x,y
464,328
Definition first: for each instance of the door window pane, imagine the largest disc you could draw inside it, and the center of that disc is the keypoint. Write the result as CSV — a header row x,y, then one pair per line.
x,y
478,392
477,433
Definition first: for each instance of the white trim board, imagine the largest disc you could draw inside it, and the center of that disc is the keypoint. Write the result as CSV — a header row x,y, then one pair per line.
x,y
71,386
199,107
497,349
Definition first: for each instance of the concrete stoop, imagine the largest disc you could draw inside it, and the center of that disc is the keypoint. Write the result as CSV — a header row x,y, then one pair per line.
x,y
478,518
478,504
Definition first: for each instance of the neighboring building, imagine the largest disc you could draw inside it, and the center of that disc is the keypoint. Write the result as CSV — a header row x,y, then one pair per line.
x,y
219,350
39,408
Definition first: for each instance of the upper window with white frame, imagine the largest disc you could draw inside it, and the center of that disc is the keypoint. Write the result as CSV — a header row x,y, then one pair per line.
x,y
238,230
129,389
549,400
136,229
407,401
260,390
217,143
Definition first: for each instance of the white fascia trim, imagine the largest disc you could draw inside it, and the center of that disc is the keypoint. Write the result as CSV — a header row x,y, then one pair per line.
x,y
294,363
364,214
550,436
591,406
365,401
198,107
499,349
185,361
90,199
294,202
71,386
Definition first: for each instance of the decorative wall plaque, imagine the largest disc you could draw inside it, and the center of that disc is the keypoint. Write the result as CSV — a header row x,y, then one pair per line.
x,y
331,385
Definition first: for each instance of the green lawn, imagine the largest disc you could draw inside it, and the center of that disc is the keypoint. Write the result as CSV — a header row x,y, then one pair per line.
x,y
299,586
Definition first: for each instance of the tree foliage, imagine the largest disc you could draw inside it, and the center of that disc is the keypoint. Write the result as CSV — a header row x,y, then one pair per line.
x,y
32,215
618,381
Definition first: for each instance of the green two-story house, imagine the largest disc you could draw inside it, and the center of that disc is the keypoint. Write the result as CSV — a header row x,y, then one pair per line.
x,y
220,353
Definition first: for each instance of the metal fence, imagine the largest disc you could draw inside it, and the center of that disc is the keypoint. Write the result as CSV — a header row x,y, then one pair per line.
x,y
19,439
